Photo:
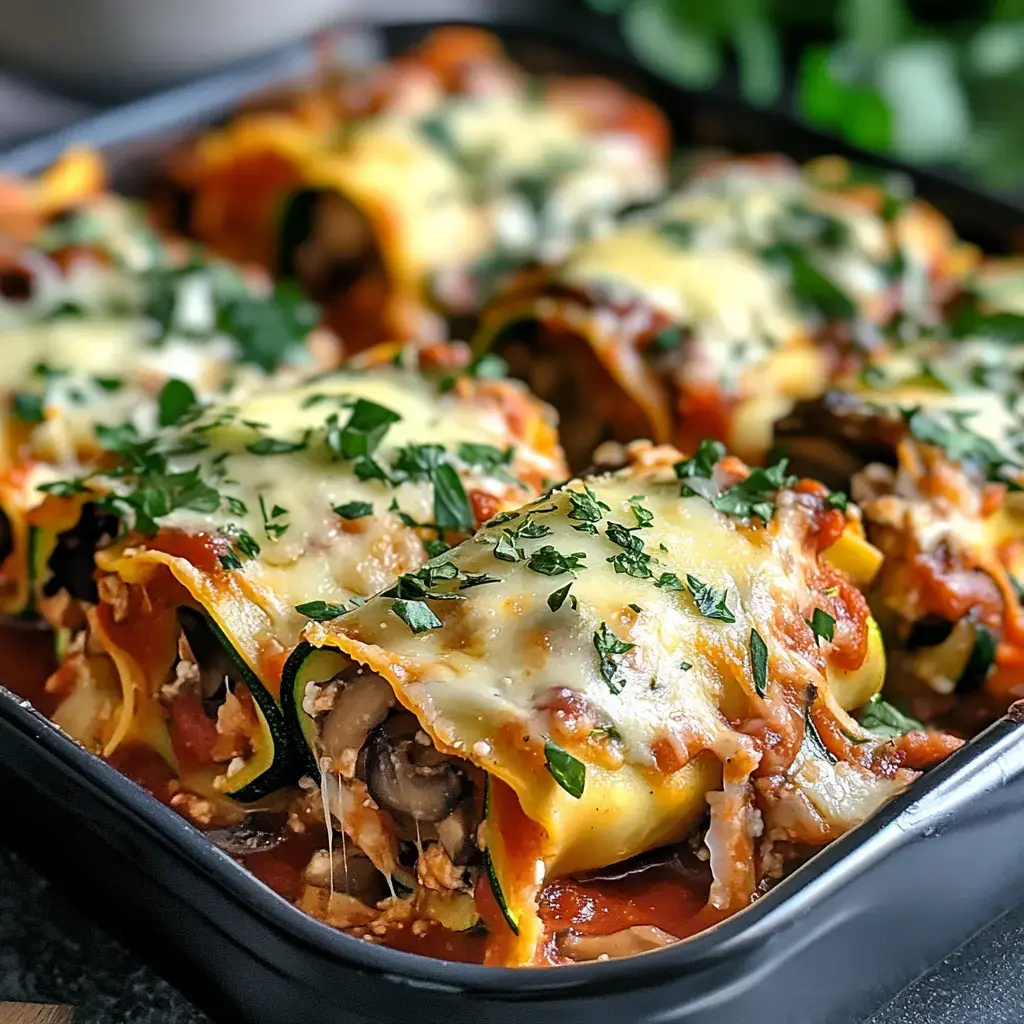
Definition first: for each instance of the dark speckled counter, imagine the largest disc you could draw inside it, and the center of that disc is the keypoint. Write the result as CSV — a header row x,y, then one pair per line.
x,y
50,953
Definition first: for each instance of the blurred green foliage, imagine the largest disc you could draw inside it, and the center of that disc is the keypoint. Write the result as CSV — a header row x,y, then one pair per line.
x,y
931,81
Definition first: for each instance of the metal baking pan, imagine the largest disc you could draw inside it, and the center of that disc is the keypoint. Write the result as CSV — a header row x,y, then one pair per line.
x,y
830,943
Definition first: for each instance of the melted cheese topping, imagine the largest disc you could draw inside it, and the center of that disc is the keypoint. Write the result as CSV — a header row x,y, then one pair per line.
x,y
285,502
485,683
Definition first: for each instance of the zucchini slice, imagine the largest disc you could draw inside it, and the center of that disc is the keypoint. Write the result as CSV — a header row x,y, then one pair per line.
x,y
306,664
274,763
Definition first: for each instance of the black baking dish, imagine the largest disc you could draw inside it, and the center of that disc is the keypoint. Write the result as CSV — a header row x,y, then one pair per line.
x,y
847,930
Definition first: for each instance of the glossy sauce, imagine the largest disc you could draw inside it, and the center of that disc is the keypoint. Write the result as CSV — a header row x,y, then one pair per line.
x,y
668,895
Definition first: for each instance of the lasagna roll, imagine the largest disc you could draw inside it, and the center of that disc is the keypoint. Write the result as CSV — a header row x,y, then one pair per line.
x,y
931,437
409,193
244,520
718,309
104,323
668,652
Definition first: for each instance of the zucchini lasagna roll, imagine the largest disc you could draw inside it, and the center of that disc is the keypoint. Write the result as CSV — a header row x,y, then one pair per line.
x,y
244,520
718,309
666,654
432,178
932,436
103,322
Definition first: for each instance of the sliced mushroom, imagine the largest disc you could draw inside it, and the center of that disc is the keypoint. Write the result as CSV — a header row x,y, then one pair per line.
x,y
258,833
457,832
833,437
410,779
363,702
354,874
639,939
217,671
72,562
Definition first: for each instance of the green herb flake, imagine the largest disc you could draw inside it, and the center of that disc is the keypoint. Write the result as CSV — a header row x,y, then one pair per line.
x,y
823,625
321,611
702,463
550,562
587,509
506,549
759,662
354,510
883,719
417,615
27,407
230,560
837,500
669,581
557,597
609,649
686,665
569,772
175,401
710,600
755,496
276,446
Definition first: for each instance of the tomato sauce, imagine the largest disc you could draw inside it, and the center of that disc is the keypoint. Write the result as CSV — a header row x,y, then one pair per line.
x,y
27,658
671,896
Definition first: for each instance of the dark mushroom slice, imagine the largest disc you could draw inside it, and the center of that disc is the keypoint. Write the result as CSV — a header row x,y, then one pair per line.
x,y
328,245
259,832
72,562
216,668
457,833
363,702
834,437
350,871
561,367
409,778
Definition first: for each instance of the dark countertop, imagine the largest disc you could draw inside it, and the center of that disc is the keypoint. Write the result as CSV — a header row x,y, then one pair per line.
x,y
49,952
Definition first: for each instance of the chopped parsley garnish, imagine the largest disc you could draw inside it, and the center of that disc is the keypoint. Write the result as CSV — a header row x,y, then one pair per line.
x,y
669,581
636,608
242,540
557,597
686,665
881,718
810,286
811,734
644,516
506,549
452,510
27,407
271,525
702,463
485,456
980,662
235,506
276,446
569,772
610,649
949,431
823,625
605,732
354,509
321,611
633,561
64,488
417,615
759,662
486,366
668,339
108,384
680,233
837,500
360,436
550,562
230,560
755,496
587,509
710,600
175,402
435,547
